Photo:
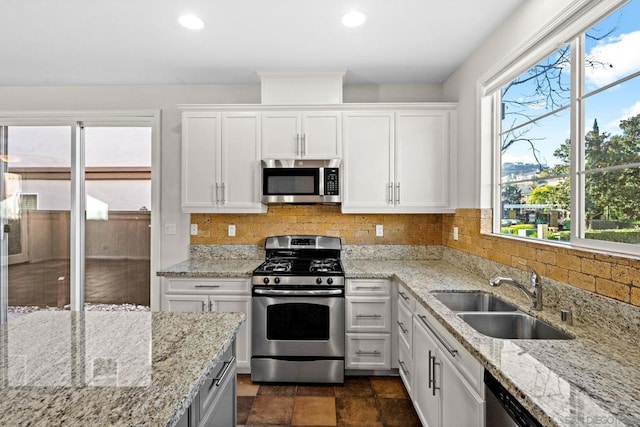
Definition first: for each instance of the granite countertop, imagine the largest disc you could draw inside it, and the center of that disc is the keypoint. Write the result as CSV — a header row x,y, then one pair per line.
x,y
108,368
593,379
590,380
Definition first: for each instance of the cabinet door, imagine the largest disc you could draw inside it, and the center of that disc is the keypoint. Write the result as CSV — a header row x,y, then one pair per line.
x,y
240,163
367,148
368,351
425,400
185,303
321,134
461,405
238,304
421,161
200,140
281,135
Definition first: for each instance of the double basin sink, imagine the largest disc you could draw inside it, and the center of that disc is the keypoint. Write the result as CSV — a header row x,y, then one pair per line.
x,y
496,318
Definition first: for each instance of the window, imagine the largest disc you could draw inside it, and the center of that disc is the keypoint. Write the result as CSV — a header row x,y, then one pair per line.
x,y
587,91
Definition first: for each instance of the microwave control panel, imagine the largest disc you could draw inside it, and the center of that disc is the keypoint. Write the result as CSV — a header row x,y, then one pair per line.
x,y
331,182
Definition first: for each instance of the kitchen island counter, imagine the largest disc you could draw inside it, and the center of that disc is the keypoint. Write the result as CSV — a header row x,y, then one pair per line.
x,y
108,368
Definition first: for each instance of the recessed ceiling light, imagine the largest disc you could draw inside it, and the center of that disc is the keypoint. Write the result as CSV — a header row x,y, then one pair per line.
x,y
191,22
353,19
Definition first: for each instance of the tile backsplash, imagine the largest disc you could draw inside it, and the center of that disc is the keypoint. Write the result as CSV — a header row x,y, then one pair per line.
x,y
354,229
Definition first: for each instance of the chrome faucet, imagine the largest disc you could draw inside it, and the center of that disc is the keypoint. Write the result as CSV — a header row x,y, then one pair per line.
x,y
534,293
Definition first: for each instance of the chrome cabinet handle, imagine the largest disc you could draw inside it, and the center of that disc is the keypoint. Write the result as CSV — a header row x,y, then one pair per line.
x,y
452,352
429,361
210,305
219,378
206,286
403,367
432,381
403,295
304,144
402,328
391,193
368,353
202,305
368,316
298,150
224,189
214,191
368,287
398,193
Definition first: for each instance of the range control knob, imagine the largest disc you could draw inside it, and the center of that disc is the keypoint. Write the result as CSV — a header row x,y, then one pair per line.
x,y
277,280
319,280
265,280
330,281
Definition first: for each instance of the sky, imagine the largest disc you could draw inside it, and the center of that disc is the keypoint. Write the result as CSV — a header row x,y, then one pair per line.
x,y
614,56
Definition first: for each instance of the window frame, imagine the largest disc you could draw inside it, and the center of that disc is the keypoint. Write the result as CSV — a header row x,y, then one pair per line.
x,y
568,28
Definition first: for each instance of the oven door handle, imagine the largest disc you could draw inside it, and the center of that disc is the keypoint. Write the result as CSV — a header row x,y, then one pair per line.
x,y
314,292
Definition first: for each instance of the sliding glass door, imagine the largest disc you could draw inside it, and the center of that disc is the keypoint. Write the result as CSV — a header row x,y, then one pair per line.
x,y
76,215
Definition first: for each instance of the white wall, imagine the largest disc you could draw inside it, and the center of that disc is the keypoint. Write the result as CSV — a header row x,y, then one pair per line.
x,y
462,86
175,248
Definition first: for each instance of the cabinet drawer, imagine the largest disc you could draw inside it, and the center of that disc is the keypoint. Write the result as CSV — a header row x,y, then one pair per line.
x,y
405,330
378,287
368,314
368,351
216,377
405,364
227,286
468,367
405,297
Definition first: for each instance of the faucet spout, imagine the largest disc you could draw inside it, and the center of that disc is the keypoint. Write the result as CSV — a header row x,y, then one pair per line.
x,y
534,293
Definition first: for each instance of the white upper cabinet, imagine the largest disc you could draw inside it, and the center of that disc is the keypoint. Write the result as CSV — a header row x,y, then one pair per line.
x,y
398,162
367,163
301,135
221,162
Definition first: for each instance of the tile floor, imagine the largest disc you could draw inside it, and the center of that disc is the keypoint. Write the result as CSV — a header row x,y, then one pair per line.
x,y
359,402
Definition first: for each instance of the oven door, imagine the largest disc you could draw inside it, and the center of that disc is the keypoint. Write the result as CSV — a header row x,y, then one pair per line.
x,y
298,322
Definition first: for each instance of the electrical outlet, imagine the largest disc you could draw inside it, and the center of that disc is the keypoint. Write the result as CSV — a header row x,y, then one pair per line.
x,y
455,233
170,229
194,229
379,230
232,230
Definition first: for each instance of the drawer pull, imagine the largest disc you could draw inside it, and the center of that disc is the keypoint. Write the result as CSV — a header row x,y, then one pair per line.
x,y
368,353
452,352
368,316
368,287
402,328
219,378
207,286
403,367
403,295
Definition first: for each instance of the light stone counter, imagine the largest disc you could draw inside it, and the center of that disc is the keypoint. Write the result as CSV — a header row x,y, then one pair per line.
x,y
591,380
107,368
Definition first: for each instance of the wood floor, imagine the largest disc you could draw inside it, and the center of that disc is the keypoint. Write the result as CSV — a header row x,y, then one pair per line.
x,y
359,402
107,281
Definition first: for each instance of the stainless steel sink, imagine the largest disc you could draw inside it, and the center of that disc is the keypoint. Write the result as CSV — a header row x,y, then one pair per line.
x,y
473,301
513,326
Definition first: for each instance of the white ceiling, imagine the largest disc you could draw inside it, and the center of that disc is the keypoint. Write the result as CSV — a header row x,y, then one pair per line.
x,y
103,42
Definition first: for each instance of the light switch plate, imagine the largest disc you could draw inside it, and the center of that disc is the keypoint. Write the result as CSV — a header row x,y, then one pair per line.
x,y
170,229
232,230
455,233
379,230
194,229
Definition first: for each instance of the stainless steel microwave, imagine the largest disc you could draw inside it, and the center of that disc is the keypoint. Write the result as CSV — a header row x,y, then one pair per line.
x,y
301,181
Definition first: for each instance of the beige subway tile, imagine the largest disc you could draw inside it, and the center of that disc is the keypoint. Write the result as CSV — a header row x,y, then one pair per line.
x,y
546,257
596,268
570,262
635,296
613,289
582,281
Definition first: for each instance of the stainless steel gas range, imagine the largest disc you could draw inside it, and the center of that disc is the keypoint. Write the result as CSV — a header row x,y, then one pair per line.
x,y
298,311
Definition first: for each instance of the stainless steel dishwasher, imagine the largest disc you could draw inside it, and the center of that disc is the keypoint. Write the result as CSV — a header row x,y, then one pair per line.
x,y
501,407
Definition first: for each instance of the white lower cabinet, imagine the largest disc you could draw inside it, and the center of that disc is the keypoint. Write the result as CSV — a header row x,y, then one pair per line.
x,y
220,295
368,319
442,394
